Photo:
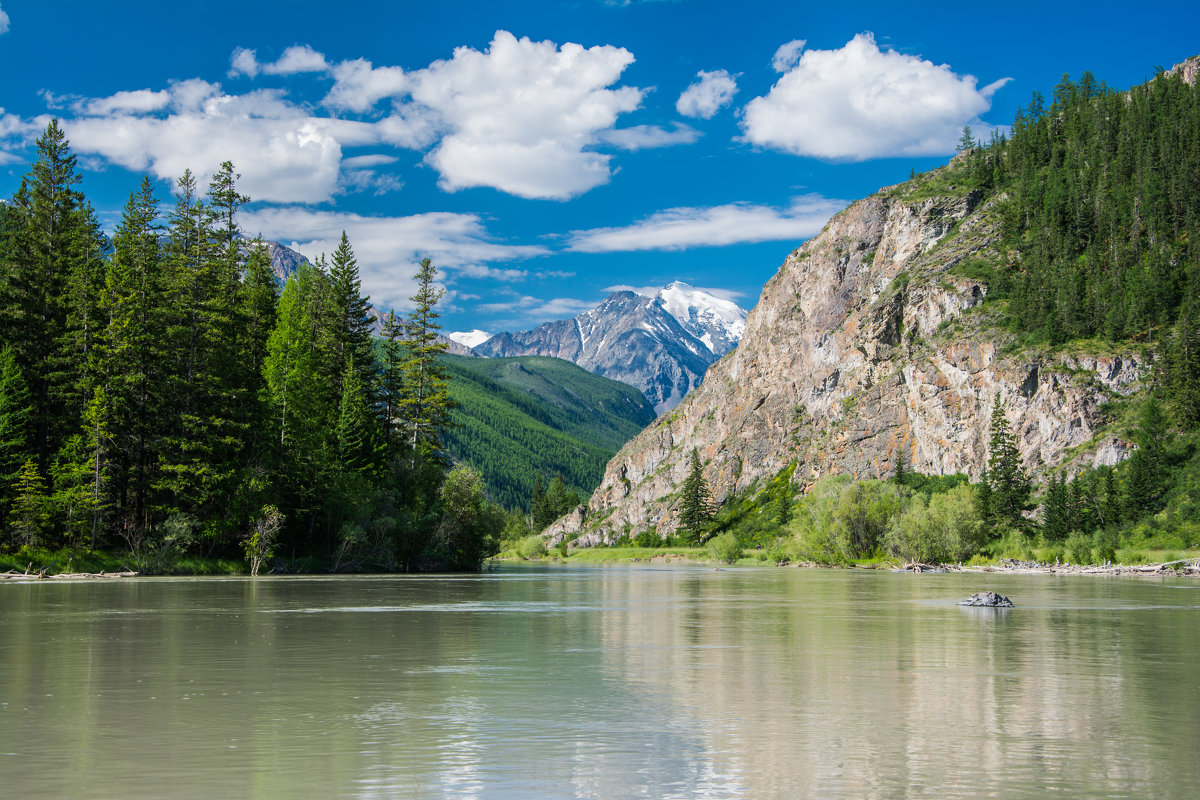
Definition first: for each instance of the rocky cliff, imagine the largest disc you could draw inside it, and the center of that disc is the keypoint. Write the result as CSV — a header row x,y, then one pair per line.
x,y
870,339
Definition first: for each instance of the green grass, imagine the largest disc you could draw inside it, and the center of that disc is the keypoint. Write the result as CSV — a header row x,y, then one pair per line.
x,y
56,562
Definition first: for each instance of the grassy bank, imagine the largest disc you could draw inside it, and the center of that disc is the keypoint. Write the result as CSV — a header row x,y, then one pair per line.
x,y
55,562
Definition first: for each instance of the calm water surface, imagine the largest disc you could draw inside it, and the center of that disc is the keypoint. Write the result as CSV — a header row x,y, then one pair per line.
x,y
601,682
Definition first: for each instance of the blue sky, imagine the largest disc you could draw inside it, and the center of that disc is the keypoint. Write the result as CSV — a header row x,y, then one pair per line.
x,y
544,153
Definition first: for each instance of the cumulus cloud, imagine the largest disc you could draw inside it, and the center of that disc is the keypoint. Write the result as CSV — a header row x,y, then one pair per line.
x,y
860,102
389,248
138,101
788,55
707,96
358,86
295,59
735,223
521,115
3,21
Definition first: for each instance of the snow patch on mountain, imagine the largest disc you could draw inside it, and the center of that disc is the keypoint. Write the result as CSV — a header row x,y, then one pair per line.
x,y
716,322
470,338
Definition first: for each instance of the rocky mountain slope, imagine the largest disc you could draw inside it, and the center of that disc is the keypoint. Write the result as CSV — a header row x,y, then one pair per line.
x,y
870,339
660,345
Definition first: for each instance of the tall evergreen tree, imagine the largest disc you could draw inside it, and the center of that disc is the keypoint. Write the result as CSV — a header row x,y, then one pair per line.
x,y
47,235
348,329
1008,485
426,405
14,426
695,502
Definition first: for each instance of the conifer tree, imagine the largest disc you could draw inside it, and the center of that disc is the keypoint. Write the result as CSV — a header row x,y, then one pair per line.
x,y
426,405
1008,485
14,425
391,382
29,517
47,236
348,328
695,504
1056,511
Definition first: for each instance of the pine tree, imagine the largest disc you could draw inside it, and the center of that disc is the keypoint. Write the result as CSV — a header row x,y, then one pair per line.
x,y
695,503
133,390
1056,511
1009,487
426,405
14,425
29,517
391,382
355,426
348,329
47,235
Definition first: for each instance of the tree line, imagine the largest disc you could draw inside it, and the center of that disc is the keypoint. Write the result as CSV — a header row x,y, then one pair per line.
x,y
160,392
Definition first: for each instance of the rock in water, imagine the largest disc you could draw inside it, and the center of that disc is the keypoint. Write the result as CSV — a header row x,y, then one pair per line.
x,y
988,599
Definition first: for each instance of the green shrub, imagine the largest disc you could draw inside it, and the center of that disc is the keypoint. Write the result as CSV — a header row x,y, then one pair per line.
x,y
531,547
648,539
1079,548
946,528
1104,542
725,548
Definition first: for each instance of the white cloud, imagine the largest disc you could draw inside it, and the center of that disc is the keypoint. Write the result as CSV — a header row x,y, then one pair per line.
x,y
358,86
283,154
297,58
373,160
539,308
860,102
640,137
788,55
735,223
707,96
3,21
389,248
137,101
243,62
521,115
17,132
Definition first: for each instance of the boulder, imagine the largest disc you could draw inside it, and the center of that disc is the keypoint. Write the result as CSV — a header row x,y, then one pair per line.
x,y
987,600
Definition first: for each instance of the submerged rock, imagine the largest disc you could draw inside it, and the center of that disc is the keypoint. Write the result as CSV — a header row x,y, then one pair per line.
x,y
988,599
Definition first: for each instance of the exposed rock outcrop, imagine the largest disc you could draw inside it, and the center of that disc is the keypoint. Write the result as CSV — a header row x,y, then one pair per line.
x,y
866,341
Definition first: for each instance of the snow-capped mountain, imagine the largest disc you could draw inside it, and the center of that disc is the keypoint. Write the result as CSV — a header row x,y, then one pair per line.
x,y
662,345
717,322
469,338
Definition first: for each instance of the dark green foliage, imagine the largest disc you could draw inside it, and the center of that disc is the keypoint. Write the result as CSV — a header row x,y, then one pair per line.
x,y
695,502
167,397
549,505
1008,486
14,426
522,420
1056,511
1100,220
425,405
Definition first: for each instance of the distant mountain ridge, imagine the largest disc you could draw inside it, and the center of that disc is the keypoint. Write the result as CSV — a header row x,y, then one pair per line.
x,y
661,345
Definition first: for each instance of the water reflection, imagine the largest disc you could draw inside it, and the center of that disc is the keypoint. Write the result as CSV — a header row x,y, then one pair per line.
x,y
601,683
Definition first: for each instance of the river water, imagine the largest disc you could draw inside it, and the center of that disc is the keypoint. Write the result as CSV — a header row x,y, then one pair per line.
x,y
554,681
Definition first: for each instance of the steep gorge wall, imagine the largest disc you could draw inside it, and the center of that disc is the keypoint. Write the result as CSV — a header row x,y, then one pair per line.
x,y
863,343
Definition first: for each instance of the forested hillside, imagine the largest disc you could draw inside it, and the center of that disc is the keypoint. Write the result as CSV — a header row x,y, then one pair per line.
x,y
1101,221
529,417
163,396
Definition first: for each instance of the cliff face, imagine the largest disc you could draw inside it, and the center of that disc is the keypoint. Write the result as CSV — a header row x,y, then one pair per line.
x,y
866,341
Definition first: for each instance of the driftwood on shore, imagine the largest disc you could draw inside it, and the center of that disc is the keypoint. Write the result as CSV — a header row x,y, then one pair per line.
x,y
1184,566
32,575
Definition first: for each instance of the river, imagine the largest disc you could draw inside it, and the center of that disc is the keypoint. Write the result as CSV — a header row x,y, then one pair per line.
x,y
552,681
